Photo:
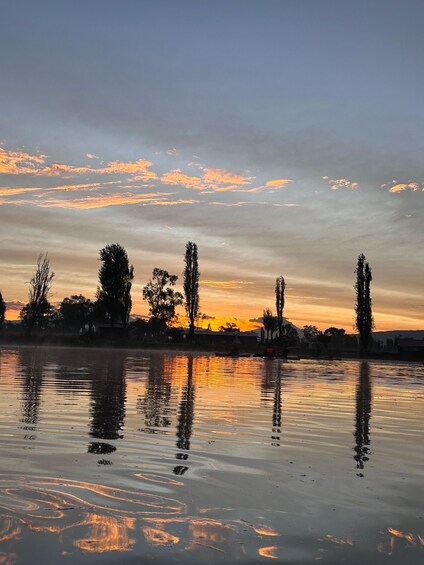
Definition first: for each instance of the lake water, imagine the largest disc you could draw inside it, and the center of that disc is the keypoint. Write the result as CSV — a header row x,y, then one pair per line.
x,y
142,457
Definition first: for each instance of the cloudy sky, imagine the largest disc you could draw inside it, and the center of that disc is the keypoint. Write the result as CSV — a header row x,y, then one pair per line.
x,y
283,137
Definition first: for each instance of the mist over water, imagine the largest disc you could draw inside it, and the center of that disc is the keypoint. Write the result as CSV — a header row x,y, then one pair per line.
x,y
145,457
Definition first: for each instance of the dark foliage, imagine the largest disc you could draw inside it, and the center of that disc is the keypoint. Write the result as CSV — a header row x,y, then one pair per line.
x,y
39,289
280,287
191,284
2,311
76,311
161,297
115,278
363,308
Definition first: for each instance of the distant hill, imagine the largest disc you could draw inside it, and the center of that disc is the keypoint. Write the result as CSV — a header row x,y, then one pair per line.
x,y
384,336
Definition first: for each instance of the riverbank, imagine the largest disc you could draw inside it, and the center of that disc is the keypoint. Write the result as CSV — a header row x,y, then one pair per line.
x,y
76,342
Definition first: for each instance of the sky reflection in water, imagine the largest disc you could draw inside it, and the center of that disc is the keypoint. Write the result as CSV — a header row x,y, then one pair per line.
x,y
161,457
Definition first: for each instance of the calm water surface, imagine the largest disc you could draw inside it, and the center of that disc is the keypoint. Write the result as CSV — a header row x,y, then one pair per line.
x,y
137,458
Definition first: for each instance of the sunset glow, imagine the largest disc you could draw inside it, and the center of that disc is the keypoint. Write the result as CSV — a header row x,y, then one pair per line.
x,y
244,141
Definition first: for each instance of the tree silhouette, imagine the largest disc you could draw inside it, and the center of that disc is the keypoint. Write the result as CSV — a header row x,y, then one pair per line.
x,y
280,287
311,333
2,311
363,308
115,277
161,297
191,284
270,322
76,311
39,289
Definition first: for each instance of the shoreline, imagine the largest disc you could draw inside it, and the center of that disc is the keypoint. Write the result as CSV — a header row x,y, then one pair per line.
x,y
187,349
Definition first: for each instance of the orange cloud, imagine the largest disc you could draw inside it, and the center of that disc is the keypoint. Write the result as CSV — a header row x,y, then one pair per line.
x,y
277,183
214,180
59,169
219,179
11,191
226,284
114,199
140,169
400,187
178,178
18,162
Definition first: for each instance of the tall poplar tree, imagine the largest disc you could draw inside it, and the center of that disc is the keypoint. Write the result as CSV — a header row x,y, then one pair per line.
x,y
363,308
280,287
2,311
191,284
115,278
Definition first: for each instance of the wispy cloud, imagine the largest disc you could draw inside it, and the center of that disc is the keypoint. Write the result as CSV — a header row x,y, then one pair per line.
x,y
228,285
229,204
19,162
214,180
222,180
178,178
114,199
336,184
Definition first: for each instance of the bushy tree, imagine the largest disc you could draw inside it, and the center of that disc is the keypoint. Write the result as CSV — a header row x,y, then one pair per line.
x,y
115,278
2,311
39,289
280,287
191,284
363,308
76,311
310,333
161,296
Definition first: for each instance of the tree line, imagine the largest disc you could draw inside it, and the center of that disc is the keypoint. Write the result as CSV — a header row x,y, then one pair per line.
x,y
113,301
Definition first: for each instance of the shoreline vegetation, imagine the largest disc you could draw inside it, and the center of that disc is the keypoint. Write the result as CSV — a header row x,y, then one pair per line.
x,y
193,348
106,322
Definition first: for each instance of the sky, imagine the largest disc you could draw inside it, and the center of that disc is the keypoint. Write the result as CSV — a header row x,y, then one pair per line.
x,y
283,137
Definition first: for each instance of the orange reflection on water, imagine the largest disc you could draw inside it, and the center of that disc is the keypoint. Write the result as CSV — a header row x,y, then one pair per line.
x,y
268,552
265,531
396,536
154,536
8,531
338,541
107,533
397,533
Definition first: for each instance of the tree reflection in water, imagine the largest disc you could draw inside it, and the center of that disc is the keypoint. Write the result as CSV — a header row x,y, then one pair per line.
x,y
271,389
363,415
185,420
31,364
108,396
155,405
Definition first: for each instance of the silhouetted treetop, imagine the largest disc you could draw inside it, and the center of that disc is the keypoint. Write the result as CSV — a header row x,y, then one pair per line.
x,y
115,278
160,295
